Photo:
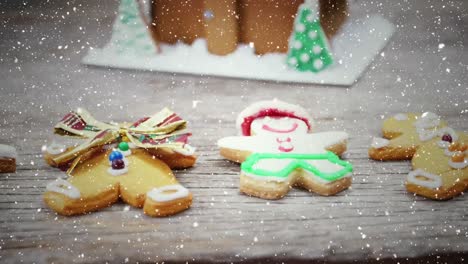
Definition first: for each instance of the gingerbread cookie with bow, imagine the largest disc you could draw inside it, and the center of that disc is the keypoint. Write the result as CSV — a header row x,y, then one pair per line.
x,y
131,162
277,152
404,133
440,168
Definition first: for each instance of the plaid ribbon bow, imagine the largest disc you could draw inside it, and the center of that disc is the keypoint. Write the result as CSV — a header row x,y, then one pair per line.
x,y
164,129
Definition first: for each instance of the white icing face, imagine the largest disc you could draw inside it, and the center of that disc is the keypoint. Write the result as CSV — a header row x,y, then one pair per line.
x,y
278,125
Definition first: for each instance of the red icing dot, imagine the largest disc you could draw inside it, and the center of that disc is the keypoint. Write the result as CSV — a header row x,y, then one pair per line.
x,y
447,137
118,164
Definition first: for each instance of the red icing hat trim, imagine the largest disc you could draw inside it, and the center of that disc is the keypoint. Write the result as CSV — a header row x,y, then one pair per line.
x,y
273,112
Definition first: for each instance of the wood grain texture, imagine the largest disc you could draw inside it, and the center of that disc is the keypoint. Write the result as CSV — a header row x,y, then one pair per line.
x,y
376,220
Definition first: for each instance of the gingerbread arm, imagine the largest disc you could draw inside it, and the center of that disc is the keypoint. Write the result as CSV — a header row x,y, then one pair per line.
x,y
237,149
334,141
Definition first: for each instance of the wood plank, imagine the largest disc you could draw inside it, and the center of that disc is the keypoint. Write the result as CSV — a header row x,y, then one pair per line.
x,y
375,220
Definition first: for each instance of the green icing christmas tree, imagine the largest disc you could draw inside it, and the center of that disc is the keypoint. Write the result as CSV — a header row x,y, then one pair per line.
x,y
308,45
130,34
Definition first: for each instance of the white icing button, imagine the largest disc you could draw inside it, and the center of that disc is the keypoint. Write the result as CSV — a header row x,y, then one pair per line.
x,y
114,172
448,130
458,165
64,187
401,117
168,193
54,148
187,150
434,180
379,142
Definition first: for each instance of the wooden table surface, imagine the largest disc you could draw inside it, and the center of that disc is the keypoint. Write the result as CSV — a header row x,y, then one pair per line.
x,y
424,68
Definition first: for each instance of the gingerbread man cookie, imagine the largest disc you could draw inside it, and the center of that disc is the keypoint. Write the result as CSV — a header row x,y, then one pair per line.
x,y
278,152
440,168
121,161
404,133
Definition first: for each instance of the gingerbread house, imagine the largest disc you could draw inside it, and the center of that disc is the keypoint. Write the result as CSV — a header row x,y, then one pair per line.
x,y
265,24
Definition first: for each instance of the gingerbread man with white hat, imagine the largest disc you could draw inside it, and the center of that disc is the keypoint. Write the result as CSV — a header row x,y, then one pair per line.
x,y
277,151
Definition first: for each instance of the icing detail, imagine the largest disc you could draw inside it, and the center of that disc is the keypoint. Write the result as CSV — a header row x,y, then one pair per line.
x,y
305,143
425,135
279,130
187,150
379,142
64,187
434,182
286,147
448,153
401,117
278,125
54,148
458,165
326,166
285,144
8,151
168,193
443,144
427,120
119,172
272,108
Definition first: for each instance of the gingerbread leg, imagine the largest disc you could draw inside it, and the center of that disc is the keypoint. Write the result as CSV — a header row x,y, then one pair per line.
x,y
153,186
68,198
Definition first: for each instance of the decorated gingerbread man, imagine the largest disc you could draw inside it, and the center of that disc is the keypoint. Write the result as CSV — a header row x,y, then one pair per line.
x,y
278,152
440,167
128,161
405,132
